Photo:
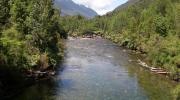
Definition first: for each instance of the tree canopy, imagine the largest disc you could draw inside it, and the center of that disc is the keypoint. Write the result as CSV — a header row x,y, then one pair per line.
x,y
30,30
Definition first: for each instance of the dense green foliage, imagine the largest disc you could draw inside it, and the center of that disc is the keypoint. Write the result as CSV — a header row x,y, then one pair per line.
x,y
30,34
77,25
149,26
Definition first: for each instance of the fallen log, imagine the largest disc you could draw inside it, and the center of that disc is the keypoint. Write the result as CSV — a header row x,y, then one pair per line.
x,y
39,75
39,72
163,72
153,69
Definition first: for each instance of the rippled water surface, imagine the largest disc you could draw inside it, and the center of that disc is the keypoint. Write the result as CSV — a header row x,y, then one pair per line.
x,y
97,69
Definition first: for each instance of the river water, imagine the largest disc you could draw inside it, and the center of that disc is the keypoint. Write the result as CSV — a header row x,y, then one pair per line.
x,y
97,69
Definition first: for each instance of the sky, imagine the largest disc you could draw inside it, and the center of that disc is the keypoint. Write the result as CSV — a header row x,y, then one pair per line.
x,y
101,6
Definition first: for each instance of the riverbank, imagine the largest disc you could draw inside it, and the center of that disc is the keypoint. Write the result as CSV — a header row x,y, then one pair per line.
x,y
113,68
145,62
97,69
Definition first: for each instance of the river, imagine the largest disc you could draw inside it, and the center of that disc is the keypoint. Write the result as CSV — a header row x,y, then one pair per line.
x,y
97,69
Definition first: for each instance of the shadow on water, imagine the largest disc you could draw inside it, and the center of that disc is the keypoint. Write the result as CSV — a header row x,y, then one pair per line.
x,y
40,91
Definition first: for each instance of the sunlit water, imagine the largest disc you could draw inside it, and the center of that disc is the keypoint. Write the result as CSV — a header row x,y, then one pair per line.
x,y
97,69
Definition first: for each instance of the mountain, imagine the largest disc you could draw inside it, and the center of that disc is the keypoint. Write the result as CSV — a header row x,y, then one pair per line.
x,y
68,7
123,7
127,4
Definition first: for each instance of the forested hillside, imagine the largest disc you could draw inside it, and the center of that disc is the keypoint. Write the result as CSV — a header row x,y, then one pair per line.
x,y
149,26
127,4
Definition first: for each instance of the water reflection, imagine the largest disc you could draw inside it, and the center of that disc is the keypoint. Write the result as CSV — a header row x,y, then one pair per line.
x,y
156,87
100,70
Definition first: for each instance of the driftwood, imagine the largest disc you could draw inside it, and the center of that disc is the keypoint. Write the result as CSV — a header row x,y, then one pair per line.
x,y
38,75
153,69
91,36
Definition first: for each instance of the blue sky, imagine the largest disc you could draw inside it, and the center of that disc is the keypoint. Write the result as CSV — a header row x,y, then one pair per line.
x,y
101,6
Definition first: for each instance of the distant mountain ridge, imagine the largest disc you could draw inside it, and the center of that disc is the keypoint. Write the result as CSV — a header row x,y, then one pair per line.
x,y
122,7
128,3
68,7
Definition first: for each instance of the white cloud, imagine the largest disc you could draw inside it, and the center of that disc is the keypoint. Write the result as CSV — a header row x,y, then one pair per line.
x,y
101,6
